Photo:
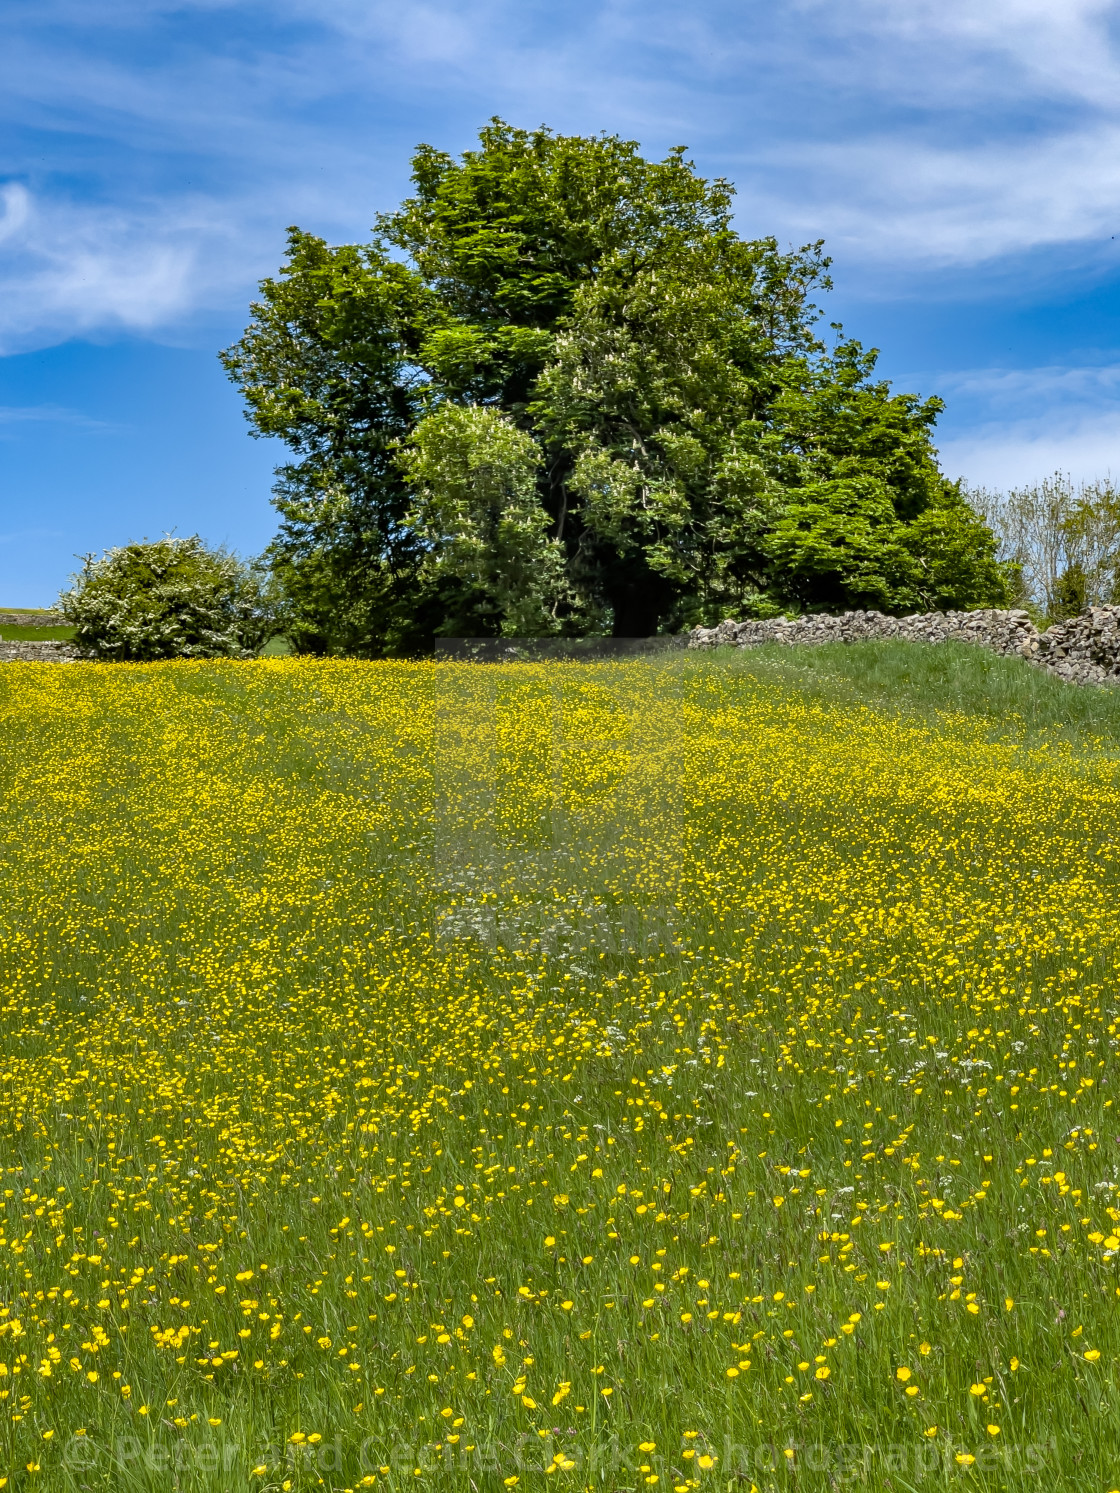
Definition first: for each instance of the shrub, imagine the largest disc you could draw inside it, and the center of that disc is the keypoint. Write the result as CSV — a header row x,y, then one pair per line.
x,y
167,598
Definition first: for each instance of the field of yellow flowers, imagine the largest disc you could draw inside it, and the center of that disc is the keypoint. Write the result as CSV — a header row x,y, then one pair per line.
x,y
652,1075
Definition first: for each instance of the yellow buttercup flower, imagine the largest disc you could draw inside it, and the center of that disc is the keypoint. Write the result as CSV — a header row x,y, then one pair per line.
x,y
713,974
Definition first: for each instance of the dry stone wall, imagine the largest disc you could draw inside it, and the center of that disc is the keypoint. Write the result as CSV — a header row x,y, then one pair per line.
x,y
32,619
47,651
34,650
1082,650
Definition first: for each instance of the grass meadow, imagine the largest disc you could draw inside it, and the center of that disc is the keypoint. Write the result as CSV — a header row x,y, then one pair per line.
x,y
694,1072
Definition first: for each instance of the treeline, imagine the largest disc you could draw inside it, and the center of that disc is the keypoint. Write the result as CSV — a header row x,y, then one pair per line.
x,y
1057,545
558,395
1059,542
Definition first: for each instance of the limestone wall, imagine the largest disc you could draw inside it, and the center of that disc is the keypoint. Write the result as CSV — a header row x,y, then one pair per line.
x,y
32,619
37,650
48,651
1083,650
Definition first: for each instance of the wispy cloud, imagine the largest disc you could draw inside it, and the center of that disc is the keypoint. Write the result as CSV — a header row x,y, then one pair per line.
x,y
913,204
69,268
21,536
12,416
1024,423
1003,49
1039,389
1017,453
166,143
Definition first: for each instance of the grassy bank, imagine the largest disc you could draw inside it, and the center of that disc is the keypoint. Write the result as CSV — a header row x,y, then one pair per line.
x,y
615,1076
13,634
953,677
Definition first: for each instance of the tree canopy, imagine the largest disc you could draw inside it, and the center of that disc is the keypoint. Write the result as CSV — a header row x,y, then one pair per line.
x,y
558,393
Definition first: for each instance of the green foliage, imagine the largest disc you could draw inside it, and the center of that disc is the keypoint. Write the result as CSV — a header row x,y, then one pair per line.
x,y
328,366
841,544
869,520
696,450
838,545
167,598
474,475
505,237
656,396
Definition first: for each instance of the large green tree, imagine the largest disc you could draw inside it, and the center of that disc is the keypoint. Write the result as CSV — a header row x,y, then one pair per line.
x,y
557,392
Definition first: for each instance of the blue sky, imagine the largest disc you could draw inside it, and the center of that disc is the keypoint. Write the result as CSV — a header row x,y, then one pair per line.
x,y
960,157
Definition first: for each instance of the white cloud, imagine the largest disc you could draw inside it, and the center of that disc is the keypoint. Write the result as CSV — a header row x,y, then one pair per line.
x,y
16,210
1022,389
1030,422
13,415
1055,48
963,131
912,134
1002,456
918,204
70,268
924,134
